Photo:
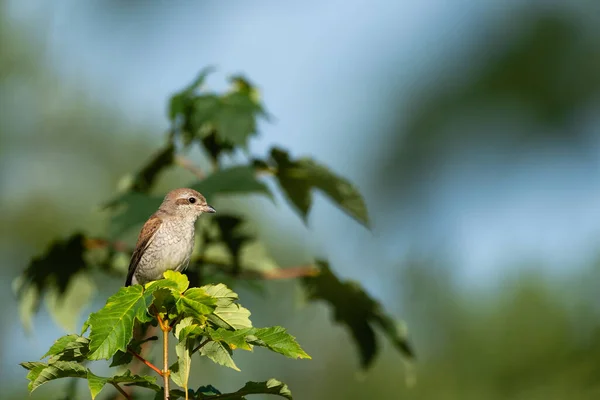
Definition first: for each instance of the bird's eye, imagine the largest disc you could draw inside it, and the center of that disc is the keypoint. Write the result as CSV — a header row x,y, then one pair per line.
x,y
192,200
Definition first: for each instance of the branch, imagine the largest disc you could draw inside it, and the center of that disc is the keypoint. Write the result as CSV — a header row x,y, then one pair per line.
x,y
187,164
135,368
288,273
148,363
100,243
201,345
283,273
124,393
164,326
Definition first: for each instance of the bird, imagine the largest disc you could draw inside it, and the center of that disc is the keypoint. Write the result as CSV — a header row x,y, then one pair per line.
x,y
166,240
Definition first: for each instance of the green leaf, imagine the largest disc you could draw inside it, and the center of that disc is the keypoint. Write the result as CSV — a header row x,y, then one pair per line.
x,y
131,209
59,345
184,323
338,189
220,353
144,381
227,315
223,295
95,383
207,390
236,118
232,235
196,302
272,386
278,340
178,102
234,339
69,348
173,285
193,331
358,311
43,274
293,181
40,373
65,308
214,145
125,357
196,83
233,180
202,110
232,316
297,178
164,301
112,326
180,373
145,178
180,279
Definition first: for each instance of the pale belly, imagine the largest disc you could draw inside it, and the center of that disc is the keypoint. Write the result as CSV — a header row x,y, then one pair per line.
x,y
166,252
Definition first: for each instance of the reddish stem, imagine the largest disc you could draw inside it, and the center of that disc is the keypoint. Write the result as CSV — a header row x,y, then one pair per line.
x,y
148,363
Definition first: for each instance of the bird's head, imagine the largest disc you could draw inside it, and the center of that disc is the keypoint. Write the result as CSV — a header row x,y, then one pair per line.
x,y
186,203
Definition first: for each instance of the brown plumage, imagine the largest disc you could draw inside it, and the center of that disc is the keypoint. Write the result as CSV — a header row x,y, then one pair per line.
x,y
166,240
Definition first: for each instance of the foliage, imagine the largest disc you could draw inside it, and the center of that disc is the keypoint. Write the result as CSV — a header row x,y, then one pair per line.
x,y
221,125
195,316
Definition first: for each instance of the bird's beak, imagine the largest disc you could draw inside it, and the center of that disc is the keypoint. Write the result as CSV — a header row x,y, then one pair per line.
x,y
209,209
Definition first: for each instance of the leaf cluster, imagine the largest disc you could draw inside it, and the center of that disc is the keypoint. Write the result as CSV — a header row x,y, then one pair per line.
x,y
206,320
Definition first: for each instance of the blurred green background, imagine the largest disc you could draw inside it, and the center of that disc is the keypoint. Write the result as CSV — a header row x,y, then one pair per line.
x,y
471,128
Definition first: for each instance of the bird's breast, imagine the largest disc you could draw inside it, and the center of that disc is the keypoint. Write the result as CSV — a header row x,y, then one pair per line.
x,y
174,243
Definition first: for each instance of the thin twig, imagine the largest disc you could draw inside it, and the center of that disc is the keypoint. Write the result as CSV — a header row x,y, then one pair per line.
x,y
187,164
124,393
100,243
201,345
164,326
148,363
288,273
298,271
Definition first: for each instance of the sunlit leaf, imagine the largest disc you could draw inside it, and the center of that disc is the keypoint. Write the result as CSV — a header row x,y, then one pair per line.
x,y
278,340
196,302
40,373
228,314
235,339
95,384
223,295
180,279
181,370
220,353
69,348
112,326
60,344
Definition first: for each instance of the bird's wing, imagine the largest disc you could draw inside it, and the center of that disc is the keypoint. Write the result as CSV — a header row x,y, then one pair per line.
x,y
146,236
